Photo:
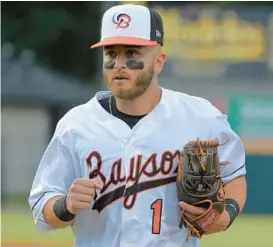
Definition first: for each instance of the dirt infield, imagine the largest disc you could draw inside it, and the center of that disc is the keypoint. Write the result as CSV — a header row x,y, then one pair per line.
x,y
32,244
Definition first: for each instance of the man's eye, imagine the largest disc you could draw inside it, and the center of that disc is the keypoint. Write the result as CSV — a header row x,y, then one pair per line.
x,y
111,53
132,52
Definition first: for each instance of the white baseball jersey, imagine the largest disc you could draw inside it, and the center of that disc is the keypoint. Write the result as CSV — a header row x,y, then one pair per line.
x,y
136,168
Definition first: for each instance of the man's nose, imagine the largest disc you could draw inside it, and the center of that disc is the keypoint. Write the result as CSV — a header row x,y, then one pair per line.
x,y
120,62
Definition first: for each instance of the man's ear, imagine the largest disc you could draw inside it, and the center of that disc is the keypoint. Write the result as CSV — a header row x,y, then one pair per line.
x,y
159,62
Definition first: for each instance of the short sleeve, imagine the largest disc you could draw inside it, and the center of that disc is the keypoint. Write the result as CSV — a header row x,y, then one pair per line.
x,y
233,151
53,177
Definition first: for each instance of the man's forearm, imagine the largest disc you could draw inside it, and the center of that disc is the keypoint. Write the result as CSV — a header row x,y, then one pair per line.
x,y
50,217
236,190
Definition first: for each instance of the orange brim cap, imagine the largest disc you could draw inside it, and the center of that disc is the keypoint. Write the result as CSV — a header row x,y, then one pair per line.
x,y
124,41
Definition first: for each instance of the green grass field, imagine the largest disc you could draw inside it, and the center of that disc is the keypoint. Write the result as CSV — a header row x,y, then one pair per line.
x,y
248,231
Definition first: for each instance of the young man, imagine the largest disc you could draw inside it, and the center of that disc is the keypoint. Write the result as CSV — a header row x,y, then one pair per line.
x,y
109,171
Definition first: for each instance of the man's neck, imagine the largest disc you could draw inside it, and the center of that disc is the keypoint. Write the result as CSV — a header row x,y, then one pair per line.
x,y
141,105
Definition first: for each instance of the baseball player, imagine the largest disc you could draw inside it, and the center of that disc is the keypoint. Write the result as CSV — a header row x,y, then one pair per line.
x,y
109,170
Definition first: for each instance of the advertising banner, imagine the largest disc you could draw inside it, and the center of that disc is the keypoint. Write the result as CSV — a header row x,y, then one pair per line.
x,y
252,116
220,41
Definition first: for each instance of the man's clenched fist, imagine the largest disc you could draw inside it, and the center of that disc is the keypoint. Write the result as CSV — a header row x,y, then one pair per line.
x,y
81,193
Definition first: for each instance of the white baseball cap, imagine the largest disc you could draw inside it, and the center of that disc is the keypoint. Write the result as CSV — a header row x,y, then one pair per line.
x,y
130,24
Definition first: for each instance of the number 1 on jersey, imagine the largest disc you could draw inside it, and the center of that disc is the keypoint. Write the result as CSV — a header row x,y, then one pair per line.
x,y
157,212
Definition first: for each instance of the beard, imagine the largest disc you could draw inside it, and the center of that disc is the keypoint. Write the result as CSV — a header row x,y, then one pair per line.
x,y
141,84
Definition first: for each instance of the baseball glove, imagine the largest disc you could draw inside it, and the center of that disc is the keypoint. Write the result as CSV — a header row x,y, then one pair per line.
x,y
199,183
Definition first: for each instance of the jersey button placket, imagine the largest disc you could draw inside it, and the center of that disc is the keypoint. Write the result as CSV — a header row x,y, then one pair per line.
x,y
126,170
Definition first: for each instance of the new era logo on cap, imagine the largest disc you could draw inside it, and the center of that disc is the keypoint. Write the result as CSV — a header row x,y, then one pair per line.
x,y
157,33
130,24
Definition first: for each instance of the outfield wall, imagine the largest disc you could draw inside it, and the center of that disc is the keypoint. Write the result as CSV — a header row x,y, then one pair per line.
x,y
260,184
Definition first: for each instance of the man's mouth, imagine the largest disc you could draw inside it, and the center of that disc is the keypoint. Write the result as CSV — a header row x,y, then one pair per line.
x,y
120,77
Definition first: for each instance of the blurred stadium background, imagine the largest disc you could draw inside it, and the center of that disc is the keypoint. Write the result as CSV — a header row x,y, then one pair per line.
x,y
220,51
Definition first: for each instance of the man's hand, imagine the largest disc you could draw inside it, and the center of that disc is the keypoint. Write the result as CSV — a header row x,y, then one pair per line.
x,y
79,197
81,193
192,212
